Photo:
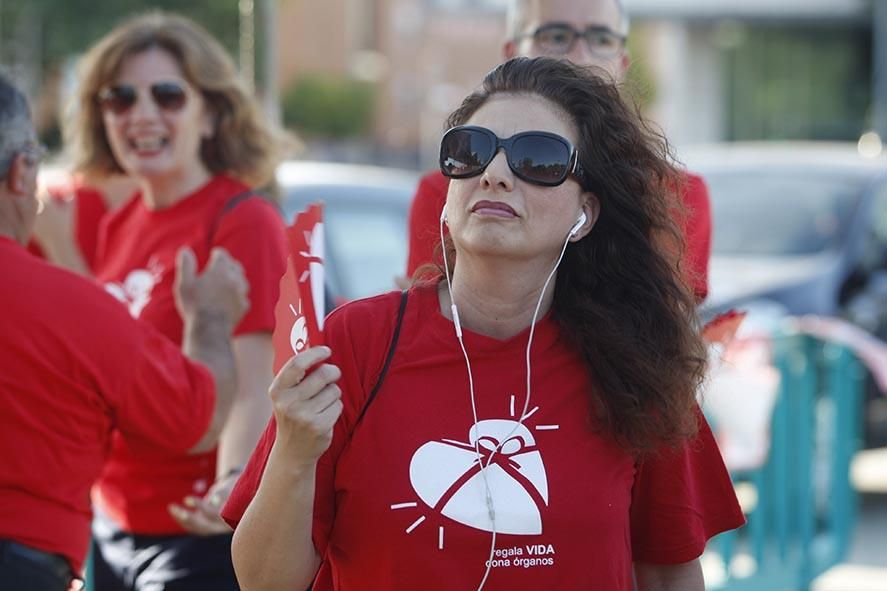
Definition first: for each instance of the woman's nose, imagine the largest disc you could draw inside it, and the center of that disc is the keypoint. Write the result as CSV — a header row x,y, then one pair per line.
x,y
497,174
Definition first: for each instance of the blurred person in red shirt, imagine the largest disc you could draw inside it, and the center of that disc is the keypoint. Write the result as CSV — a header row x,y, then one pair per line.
x,y
72,207
76,372
161,102
588,33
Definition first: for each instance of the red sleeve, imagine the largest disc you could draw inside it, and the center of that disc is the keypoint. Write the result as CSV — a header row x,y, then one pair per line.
x,y
698,233
253,233
424,223
681,498
358,333
91,207
175,421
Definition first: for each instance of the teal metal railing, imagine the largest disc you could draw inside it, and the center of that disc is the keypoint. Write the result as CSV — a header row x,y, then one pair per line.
x,y
803,508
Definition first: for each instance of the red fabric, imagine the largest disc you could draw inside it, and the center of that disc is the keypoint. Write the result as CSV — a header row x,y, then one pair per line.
x,y
399,503
136,263
431,195
697,229
424,220
75,367
91,208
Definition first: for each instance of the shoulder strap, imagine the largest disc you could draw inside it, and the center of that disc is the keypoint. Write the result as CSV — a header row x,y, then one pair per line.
x,y
388,358
229,205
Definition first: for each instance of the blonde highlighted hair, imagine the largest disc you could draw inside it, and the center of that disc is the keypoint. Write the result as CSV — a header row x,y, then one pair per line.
x,y
243,145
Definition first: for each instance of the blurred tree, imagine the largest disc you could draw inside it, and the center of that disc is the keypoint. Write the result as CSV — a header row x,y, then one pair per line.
x,y
330,107
795,82
68,27
38,38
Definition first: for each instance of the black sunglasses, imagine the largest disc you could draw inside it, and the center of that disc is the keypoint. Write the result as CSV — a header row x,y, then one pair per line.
x,y
120,98
538,157
560,38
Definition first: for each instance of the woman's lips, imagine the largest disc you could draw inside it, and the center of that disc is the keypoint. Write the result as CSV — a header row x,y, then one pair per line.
x,y
494,208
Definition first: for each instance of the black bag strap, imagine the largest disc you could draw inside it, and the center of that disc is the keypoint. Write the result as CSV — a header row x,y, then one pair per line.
x,y
229,205
388,358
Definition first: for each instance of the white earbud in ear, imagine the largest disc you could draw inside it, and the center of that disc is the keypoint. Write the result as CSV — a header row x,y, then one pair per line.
x,y
580,221
443,213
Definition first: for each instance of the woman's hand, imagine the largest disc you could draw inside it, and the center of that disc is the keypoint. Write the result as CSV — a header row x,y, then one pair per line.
x,y
219,292
55,232
54,226
201,516
306,405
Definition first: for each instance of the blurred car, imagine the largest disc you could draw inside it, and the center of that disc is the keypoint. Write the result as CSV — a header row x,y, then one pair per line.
x,y
798,229
802,226
365,222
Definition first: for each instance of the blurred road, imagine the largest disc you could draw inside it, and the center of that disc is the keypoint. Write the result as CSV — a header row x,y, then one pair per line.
x,y
866,566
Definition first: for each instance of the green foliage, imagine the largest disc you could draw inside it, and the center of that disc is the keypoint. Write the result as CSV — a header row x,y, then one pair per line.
x,y
798,82
640,82
68,27
325,106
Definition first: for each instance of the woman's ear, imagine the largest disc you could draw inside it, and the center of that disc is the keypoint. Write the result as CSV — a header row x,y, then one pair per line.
x,y
22,176
591,206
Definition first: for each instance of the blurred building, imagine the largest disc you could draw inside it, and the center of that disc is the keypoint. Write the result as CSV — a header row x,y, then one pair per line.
x,y
758,69
715,70
422,55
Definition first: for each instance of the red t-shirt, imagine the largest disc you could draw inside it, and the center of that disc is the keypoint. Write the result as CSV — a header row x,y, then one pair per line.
x,y
400,503
431,195
136,263
75,368
91,208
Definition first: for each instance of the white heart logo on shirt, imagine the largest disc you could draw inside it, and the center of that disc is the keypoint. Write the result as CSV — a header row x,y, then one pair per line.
x,y
447,477
135,290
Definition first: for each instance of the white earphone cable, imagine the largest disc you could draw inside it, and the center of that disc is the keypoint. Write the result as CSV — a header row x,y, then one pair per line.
x,y
483,466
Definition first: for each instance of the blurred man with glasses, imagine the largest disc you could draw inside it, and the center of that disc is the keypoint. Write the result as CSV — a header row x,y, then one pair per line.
x,y
76,370
589,33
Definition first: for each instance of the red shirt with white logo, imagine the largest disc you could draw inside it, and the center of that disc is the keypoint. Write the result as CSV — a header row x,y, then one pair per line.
x,y
431,195
401,500
75,368
136,263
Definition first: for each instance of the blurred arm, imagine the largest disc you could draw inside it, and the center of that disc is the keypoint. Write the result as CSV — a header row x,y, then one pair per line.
x,y
253,354
670,577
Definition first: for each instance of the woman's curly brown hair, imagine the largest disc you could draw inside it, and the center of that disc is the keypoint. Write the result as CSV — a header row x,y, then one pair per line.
x,y
243,145
620,295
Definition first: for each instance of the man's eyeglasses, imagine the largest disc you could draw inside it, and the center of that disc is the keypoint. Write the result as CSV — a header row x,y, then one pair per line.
x,y
537,157
560,38
120,98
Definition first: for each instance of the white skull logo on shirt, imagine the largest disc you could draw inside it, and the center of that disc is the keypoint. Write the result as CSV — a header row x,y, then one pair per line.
x,y
135,290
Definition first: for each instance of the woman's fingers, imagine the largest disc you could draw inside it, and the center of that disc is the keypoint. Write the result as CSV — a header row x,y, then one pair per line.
x,y
327,418
307,403
317,403
317,380
295,369
198,519
302,403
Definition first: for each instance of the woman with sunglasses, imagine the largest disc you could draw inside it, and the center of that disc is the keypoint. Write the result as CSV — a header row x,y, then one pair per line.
x,y
160,101
527,420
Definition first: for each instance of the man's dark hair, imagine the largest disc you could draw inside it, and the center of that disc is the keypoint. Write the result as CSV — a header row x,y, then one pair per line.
x,y
16,130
